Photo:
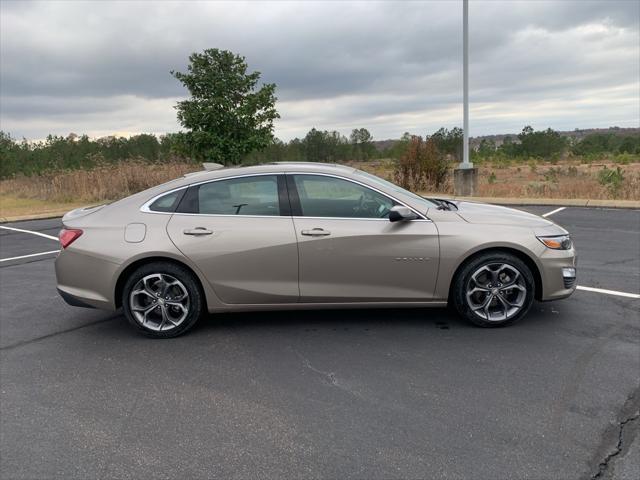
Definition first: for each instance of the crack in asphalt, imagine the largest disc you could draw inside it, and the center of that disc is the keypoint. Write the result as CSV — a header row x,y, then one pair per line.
x,y
22,343
603,466
329,377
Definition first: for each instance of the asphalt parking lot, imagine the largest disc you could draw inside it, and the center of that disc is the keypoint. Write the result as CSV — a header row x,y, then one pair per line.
x,y
331,394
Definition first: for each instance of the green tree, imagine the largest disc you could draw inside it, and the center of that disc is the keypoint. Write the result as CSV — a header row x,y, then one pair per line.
x,y
449,142
362,142
228,115
324,146
541,144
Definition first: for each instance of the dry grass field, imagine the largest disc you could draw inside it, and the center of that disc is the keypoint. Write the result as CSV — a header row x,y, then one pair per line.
x,y
57,191
539,179
564,179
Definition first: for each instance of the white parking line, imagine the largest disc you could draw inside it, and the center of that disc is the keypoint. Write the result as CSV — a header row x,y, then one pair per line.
x,y
553,211
28,256
44,235
608,292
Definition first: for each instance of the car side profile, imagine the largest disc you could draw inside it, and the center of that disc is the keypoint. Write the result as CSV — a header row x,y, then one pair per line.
x,y
305,236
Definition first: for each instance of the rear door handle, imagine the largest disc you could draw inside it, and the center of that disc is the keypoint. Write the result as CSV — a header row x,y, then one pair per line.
x,y
197,231
316,232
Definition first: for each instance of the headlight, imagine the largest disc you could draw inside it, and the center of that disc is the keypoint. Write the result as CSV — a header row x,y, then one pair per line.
x,y
557,242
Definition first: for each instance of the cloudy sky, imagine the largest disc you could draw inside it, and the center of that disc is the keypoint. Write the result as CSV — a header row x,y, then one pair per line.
x,y
103,67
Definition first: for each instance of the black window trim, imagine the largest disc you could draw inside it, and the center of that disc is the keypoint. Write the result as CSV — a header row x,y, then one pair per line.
x,y
174,205
296,206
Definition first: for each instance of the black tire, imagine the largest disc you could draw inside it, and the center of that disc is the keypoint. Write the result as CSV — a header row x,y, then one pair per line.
x,y
167,270
463,283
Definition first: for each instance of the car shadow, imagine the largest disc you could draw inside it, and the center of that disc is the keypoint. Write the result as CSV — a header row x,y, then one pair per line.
x,y
365,319
441,318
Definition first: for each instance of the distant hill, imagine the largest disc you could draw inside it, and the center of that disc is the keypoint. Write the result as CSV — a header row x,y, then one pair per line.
x,y
577,134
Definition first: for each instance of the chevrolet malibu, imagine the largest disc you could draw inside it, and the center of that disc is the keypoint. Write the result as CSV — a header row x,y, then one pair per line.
x,y
305,236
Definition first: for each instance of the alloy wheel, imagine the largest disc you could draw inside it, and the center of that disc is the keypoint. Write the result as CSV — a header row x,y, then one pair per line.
x,y
159,302
496,292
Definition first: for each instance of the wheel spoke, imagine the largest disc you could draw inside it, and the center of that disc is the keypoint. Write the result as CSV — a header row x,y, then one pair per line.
x,y
512,287
486,308
505,306
142,308
515,304
146,313
163,311
477,289
485,304
475,276
143,291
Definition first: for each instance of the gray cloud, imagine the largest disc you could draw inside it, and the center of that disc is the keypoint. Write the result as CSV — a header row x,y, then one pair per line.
x,y
99,67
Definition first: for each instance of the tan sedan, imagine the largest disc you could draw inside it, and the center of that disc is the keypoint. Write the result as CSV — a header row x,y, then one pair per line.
x,y
305,236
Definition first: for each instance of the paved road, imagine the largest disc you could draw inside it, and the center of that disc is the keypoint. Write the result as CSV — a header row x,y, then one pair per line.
x,y
339,394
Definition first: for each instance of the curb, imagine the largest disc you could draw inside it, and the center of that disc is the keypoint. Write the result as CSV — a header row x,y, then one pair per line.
x,y
560,202
37,216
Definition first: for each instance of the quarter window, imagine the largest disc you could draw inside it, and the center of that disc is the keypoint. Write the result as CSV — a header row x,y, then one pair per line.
x,y
167,203
322,196
256,195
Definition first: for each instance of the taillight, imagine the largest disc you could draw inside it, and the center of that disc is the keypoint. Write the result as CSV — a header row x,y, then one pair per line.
x,y
68,235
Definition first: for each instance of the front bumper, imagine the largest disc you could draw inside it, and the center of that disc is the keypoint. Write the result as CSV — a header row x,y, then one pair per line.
x,y
558,273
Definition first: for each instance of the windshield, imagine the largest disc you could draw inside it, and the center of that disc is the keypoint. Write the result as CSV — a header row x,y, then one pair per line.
x,y
392,186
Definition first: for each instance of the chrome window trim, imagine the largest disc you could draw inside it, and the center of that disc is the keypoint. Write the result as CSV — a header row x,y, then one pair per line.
x,y
145,207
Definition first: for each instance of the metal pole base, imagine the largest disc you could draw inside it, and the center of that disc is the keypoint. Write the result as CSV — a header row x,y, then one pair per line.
x,y
465,182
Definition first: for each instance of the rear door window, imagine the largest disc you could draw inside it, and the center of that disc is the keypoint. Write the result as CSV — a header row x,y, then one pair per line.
x,y
257,195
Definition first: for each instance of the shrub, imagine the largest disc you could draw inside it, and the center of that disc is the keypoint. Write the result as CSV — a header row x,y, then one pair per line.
x,y
612,179
422,165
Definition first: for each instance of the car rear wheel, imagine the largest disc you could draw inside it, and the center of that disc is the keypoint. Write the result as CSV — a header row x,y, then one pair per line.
x,y
162,299
494,289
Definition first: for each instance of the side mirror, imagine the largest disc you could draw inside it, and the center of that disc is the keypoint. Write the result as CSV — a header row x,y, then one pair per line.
x,y
401,213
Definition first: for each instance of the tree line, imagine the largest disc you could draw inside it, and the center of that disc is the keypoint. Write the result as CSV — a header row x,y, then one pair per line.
x,y
549,145
81,152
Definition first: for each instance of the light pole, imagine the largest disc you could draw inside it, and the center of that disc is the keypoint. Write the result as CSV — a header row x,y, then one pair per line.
x,y
465,83
465,176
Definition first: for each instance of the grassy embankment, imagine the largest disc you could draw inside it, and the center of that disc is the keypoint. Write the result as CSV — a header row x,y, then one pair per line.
x,y
569,178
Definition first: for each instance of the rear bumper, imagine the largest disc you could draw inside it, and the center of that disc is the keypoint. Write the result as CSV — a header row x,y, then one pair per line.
x,y
85,280
73,300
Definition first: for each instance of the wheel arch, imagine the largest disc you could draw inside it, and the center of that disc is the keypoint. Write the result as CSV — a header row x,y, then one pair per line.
x,y
130,268
527,259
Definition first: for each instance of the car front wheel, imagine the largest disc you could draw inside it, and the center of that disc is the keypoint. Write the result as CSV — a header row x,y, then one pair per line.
x,y
162,299
494,289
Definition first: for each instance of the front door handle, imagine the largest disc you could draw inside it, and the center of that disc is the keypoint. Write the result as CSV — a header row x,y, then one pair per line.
x,y
316,232
197,231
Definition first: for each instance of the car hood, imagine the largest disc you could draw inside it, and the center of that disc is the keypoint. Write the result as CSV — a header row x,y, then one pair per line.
x,y
473,212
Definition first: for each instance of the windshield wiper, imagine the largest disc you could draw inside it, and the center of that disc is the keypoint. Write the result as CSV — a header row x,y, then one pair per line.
x,y
444,204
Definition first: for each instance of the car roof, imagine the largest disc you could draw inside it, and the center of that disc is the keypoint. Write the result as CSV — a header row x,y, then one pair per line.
x,y
273,167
